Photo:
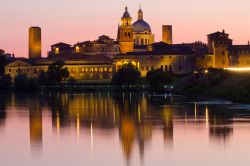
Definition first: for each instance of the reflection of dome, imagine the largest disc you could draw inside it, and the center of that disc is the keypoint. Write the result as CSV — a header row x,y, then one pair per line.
x,y
126,13
141,26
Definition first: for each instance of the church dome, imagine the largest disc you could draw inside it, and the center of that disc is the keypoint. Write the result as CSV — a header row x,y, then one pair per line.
x,y
126,13
141,26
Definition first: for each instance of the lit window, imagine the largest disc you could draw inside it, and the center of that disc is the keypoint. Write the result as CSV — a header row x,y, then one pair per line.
x,y
77,49
57,50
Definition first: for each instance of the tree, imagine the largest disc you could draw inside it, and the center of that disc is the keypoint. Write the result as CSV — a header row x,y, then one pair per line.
x,y
57,72
20,82
158,78
3,61
43,78
127,75
32,84
5,82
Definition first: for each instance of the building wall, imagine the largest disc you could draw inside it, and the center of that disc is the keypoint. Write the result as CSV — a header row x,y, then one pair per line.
x,y
205,61
30,71
143,39
79,72
178,64
90,72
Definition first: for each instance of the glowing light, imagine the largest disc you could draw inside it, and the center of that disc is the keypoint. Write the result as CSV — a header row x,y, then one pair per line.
x,y
78,126
207,117
91,138
240,69
58,123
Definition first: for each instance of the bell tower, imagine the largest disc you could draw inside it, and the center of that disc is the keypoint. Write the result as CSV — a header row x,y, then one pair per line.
x,y
125,33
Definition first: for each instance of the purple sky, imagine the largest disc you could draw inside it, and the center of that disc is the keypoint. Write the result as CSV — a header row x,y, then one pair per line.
x,y
71,21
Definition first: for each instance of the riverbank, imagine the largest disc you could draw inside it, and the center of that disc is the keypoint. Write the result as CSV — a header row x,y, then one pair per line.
x,y
233,86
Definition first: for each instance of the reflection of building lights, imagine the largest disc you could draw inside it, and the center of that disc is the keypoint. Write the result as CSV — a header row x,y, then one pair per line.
x,y
58,123
91,138
238,69
207,117
195,112
78,126
139,113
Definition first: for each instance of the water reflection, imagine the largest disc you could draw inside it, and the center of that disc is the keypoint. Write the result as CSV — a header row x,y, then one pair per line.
x,y
35,122
135,116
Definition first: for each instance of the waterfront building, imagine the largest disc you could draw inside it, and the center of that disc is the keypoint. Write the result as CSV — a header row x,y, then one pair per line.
x,y
99,59
227,55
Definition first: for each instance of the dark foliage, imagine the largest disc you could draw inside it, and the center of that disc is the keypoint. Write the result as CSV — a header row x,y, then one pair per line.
x,y
20,82
128,74
3,62
57,73
158,78
5,82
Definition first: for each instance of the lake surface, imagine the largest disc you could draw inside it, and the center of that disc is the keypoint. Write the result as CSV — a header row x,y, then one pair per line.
x,y
120,129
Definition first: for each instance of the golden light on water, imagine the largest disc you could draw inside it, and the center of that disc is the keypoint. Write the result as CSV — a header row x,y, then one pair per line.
x,y
240,69
207,117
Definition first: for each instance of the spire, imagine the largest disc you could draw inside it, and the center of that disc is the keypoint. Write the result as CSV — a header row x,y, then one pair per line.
x,y
140,13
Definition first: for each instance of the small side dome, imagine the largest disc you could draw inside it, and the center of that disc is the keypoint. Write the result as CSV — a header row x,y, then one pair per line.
x,y
126,13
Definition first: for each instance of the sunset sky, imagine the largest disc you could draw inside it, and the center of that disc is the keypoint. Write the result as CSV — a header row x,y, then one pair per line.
x,y
71,21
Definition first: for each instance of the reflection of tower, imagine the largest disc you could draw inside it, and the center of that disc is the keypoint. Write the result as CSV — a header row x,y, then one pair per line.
x,y
125,33
144,135
220,125
35,116
168,125
2,110
127,135
35,46
167,34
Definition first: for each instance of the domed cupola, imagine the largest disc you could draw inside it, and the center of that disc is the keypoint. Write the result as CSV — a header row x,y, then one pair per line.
x,y
141,26
126,13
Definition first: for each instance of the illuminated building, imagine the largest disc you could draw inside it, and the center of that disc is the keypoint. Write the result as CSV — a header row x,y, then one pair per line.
x,y
167,34
178,59
125,34
35,43
81,68
99,59
103,46
227,55
142,31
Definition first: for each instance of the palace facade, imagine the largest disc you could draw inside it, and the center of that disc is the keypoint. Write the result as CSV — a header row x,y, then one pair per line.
x,y
99,59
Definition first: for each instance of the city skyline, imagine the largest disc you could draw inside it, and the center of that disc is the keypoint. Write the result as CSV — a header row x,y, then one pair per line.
x,y
75,22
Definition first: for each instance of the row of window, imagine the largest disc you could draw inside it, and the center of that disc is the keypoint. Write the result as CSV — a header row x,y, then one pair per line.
x,y
81,70
142,41
23,70
164,68
240,52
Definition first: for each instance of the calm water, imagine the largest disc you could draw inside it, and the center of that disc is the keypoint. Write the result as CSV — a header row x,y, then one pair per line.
x,y
135,129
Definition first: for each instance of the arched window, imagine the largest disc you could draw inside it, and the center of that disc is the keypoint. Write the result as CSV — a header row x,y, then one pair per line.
x,y
129,34
126,34
142,42
146,42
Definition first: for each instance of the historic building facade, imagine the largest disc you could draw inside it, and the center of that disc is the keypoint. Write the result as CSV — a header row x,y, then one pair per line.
x,y
104,46
86,68
225,54
136,36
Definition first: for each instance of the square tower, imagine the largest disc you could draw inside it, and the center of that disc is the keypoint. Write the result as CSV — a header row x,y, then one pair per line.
x,y
167,34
